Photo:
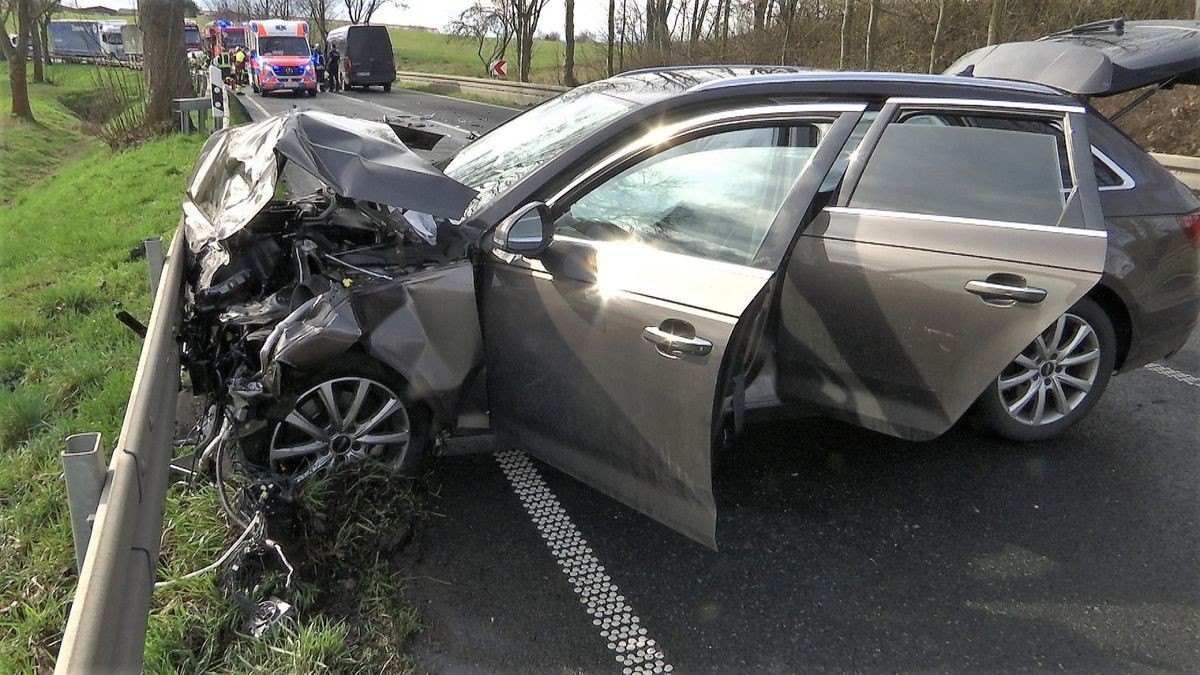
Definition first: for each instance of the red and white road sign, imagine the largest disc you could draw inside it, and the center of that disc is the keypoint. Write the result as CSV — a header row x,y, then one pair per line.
x,y
499,68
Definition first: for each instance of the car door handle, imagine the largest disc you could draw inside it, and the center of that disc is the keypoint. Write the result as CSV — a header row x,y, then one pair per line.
x,y
672,345
991,290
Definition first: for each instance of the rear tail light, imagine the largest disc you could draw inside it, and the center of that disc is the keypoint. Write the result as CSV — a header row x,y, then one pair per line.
x,y
1191,226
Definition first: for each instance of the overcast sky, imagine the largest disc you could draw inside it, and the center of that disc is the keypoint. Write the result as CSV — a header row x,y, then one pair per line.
x,y
591,15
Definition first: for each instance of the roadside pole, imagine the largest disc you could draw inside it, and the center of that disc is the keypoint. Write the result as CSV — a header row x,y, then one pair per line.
x,y
217,88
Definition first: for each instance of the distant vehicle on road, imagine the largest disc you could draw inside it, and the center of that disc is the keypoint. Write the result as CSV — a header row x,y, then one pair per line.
x,y
112,44
218,41
367,57
280,58
74,40
191,38
131,36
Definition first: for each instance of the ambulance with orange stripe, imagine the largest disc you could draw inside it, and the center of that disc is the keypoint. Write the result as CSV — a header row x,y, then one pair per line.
x,y
280,58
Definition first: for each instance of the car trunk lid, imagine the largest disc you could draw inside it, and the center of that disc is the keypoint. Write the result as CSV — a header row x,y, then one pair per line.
x,y
1103,58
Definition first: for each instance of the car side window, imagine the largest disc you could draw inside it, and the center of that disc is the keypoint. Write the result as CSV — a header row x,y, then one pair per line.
x,y
712,197
1013,172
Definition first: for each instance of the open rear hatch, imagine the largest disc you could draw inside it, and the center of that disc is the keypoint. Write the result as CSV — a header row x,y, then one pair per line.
x,y
1103,58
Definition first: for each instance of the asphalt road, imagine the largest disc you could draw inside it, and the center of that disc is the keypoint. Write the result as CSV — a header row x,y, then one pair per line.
x,y
841,549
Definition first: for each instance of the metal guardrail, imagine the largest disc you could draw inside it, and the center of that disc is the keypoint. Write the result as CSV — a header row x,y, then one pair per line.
x,y
1186,169
106,629
517,92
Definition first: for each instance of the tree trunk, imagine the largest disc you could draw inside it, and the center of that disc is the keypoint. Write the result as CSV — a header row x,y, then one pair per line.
x,y
164,61
612,39
16,62
847,24
872,34
993,35
569,56
44,28
936,46
39,71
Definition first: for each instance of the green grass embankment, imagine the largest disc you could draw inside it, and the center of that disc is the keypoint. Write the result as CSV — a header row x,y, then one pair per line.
x,y
72,212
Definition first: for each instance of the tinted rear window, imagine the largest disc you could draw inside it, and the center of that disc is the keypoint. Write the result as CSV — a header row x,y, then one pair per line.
x,y
964,172
369,42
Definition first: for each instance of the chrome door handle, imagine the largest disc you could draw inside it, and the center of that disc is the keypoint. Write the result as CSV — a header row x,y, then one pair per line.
x,y
990,290
674,346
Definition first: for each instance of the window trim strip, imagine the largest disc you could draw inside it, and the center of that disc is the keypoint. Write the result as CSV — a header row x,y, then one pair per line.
x,y
1127,181
988,103
957,220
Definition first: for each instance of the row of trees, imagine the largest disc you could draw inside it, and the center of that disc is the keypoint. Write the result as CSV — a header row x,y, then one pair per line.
x,y
165,66
867,34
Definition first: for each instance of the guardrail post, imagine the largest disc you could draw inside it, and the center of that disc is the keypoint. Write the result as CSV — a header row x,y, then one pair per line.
x,y
156,258
83,467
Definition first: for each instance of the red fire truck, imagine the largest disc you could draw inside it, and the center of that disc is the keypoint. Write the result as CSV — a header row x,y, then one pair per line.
x,y
220,39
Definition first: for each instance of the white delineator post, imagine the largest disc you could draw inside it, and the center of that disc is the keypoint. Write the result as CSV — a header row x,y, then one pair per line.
x,y
217,90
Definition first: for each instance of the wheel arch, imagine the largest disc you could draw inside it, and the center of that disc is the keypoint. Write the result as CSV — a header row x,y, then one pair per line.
x,y
1118,312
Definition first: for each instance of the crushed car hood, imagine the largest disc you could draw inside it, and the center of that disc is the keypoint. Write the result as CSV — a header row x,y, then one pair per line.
x,y
1098,59
238,170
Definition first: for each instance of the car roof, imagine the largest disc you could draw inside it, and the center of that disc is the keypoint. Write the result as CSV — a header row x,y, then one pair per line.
x,y
650,85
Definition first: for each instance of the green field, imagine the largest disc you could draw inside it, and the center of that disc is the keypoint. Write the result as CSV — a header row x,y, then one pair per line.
x,y
73,210
436,53
422,51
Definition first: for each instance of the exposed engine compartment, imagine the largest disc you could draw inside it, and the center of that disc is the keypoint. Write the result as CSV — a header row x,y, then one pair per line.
x,y
303,282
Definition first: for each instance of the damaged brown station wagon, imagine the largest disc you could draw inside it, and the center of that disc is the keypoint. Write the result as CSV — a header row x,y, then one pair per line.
x,y
617,279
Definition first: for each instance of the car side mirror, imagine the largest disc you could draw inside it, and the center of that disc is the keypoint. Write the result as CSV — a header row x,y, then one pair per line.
x,y
528,231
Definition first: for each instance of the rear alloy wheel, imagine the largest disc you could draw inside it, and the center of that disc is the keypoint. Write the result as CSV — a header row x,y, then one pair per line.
x,y
1055,381
344,420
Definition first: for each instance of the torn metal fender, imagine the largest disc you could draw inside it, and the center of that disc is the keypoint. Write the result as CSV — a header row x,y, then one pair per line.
x,y
432,337
424,326
316,332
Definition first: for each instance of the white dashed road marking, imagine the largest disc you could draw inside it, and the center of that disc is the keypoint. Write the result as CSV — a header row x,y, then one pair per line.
x,y
627,638
1173,374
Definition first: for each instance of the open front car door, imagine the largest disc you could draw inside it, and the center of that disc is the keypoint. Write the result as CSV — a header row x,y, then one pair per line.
x,y
610,350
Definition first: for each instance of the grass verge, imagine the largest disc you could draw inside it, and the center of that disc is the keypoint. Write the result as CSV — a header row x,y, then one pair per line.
x,y
72,214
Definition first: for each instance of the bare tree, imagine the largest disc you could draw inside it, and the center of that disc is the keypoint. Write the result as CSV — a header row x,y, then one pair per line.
x,y
488,26
569,49
361,11
42,9
17,55
526,14
320,13
612,28
164,61
994,18
847,24
872,34
936,43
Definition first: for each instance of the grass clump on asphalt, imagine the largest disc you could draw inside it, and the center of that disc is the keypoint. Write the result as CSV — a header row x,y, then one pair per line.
x,y
67,365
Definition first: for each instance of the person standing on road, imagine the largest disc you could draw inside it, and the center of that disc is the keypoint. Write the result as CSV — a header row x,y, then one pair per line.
x,y
239,68
333,68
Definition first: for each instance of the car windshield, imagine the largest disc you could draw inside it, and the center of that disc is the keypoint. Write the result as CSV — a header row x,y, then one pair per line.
x,y
191,36
515,149
286,45
234,39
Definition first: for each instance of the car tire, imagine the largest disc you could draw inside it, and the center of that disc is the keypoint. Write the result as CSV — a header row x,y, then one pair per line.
x,y
265,449
312,93
1064,371
387,88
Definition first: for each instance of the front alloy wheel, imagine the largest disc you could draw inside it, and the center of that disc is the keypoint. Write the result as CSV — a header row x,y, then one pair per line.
x,y
1056,380
340,421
